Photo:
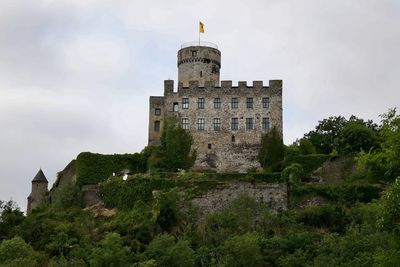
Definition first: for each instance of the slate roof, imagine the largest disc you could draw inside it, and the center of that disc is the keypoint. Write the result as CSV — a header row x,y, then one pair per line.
x,y
40,177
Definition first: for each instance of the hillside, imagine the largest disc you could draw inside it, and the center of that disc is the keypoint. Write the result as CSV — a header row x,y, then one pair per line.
x,y
329,199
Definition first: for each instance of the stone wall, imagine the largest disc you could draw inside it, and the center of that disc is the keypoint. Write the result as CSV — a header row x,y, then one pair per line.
x,y
219,198
225,149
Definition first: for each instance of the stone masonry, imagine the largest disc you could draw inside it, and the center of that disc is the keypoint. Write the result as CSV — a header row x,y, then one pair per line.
x,y
226,121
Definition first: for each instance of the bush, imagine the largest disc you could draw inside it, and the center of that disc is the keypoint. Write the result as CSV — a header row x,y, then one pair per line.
x,y
272,150
309,162
242,250
15,252
94,168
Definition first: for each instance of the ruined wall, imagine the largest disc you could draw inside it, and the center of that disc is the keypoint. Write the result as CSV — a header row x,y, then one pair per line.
x,y
156,115
226,149
274,195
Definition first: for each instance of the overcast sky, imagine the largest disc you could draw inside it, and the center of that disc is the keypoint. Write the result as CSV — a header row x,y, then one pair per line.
x,y
76,75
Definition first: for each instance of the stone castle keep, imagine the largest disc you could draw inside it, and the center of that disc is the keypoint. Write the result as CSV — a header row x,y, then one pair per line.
x,y
226,121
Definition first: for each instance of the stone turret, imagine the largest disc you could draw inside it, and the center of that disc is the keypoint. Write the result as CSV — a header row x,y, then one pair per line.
x,y
199,62
39,191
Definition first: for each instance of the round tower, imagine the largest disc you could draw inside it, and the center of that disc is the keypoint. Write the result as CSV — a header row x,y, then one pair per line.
x,y
199,62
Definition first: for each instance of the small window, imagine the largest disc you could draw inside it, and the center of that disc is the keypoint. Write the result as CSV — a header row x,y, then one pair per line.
x,y
249,124
200,124
233,139
209,146
194,53
157,126
249,102
176,106
265,124
185,123
185,103
200,103
235,123
265,102
234,103
217,124
201,74
157,112
217,103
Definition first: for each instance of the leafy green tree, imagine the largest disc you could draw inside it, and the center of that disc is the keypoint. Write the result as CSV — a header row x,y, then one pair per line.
x,y
242,251
169,253
110,252
356,136
15,252
10,218
272,149
306,147
175,150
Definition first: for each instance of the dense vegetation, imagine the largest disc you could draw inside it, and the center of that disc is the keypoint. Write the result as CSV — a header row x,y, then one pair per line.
x,y
356,221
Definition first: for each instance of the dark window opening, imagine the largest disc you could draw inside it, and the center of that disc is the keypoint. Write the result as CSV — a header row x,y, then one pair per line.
x,y
265,102
176,106
234,103
217,124
233,139
209,146
200,124
185,123
265,124
249,102
234,124
201,74
157,112
249,123
217,103
200,103
185,103
157,126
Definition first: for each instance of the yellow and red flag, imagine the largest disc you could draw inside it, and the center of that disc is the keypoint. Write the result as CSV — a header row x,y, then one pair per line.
x,y
201,27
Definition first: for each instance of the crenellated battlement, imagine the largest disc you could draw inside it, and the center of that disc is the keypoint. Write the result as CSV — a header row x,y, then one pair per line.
x,y
225,85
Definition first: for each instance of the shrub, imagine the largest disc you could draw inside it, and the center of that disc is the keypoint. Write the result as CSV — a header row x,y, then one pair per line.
x,y
272,149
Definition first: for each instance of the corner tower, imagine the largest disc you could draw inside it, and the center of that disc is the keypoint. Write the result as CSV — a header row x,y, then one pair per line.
x,y
199,62
39,191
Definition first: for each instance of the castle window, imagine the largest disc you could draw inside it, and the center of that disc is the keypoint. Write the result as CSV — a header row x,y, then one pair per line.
x,y
185,103
234,103
200,124
265,102
185,123
209,146
249,124
217,102
265,124
201,74
194,53
157,126
217,124
233,139
200,103
235,124
176,106
157,112
249,102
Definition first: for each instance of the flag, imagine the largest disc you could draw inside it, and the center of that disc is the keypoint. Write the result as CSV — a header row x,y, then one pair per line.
x,y
201,27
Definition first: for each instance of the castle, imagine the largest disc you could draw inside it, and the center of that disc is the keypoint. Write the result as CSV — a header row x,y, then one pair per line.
x,y
226,121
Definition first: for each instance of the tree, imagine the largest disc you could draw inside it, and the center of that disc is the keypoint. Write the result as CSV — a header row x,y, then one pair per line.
x,y
169,253
15,252
306,147
356,136
242,251
10,218
110,252
272,149
175,150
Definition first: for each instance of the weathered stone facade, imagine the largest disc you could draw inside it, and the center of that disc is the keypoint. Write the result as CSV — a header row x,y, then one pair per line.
x,y
218,199
226,121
